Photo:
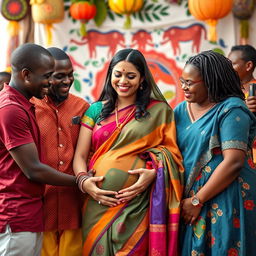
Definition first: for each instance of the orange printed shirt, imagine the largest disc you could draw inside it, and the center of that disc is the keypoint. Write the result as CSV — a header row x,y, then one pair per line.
x,y
59,128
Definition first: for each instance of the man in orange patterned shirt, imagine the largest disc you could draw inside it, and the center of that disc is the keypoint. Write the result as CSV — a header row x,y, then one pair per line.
x,y
58,116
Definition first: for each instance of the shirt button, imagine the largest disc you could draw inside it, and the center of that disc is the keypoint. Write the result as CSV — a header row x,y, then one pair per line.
x,y
61,163
61,145
59,129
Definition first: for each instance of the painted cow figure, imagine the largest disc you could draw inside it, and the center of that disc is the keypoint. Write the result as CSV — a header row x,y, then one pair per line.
x,y
95,38
176,34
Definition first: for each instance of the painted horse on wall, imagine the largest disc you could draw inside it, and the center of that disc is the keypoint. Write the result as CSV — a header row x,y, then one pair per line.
x,y
96,38
176,34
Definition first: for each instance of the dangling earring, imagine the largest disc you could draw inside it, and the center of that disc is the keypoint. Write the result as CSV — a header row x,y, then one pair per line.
x,y
141,87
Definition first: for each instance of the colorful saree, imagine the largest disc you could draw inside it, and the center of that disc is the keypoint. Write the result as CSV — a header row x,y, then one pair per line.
x,y
227,223
148,224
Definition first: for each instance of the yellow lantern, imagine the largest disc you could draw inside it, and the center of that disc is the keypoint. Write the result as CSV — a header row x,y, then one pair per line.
x,y
210,11
126,7
47,12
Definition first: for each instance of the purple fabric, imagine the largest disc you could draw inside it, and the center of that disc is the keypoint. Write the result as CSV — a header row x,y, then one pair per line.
x,y
158,207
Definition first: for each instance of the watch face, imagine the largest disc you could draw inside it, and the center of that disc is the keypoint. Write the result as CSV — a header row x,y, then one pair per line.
x,y
195,201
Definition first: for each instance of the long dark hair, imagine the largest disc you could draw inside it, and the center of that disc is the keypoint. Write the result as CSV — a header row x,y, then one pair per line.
x,y
218,74
143,93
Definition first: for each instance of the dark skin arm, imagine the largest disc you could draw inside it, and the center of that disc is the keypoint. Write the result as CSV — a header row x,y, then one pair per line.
x,y
225,173
26,156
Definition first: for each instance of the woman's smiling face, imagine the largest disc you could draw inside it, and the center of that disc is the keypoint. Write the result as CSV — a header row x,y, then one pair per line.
x,y
193,85
126,79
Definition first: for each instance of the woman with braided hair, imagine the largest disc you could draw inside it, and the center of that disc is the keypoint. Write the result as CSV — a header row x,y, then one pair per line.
x,y
132,204
215,131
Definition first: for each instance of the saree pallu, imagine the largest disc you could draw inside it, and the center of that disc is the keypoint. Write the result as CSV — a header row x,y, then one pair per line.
x,y
148,224
227,223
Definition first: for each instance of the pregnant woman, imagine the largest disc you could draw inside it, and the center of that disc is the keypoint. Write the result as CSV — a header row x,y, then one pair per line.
x,y
129,136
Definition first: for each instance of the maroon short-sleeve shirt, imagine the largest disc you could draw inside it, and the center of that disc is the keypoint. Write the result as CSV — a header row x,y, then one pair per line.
x,y
20,198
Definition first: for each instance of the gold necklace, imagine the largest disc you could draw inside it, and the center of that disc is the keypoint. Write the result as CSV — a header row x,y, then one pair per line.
x,y
120,125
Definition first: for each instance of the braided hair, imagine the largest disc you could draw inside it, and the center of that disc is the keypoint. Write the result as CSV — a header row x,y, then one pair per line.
x,y
143,94
221,80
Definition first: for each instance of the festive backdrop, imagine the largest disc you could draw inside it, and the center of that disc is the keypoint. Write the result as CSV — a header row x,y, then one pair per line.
x,y
164,31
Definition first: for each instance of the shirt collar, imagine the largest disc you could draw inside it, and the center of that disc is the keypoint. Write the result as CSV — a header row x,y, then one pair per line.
x,y
19,98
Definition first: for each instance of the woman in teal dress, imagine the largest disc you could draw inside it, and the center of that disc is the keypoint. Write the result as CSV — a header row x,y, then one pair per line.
x,y
215,131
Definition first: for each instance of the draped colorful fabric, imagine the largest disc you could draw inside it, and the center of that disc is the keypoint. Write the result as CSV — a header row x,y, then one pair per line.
x,y
148,224
227,223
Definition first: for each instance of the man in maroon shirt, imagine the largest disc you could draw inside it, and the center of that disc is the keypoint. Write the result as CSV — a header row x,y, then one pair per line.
x,y
21,171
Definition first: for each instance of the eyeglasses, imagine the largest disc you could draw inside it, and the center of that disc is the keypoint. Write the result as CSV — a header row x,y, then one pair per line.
x,y
188,83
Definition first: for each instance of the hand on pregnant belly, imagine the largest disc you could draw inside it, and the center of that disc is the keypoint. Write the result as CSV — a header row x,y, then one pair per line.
x,y
104,197
146,177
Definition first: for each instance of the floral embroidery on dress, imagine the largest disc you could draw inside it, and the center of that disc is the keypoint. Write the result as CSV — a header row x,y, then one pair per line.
x,y
251,163
207,169
210,239
249,205
195,253
236,222
199,227
233,252
246,186
214,213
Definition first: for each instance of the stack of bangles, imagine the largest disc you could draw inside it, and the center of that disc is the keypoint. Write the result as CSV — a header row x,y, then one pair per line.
x,y
81,177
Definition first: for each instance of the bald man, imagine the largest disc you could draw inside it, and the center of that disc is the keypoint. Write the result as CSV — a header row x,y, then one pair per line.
x,y
60,113
22,173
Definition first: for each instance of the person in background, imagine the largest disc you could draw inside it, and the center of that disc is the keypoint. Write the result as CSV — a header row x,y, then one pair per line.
x,y
5,77
131,131
58,116
243,58
22,173
215,132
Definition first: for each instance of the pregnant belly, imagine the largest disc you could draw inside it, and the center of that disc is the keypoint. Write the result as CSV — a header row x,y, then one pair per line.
x,y
115,172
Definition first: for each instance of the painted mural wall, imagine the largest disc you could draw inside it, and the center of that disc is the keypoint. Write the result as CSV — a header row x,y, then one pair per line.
x,y
165,33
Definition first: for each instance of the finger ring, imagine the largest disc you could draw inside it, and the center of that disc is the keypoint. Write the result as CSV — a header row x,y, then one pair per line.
x,y
99,202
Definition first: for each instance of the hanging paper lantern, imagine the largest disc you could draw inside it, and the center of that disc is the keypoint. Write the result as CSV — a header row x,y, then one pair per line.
x,y
125,7
83,11
47,12
13,11
243,10
210,11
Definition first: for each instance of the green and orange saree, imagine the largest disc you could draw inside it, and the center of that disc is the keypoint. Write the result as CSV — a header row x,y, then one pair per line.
x,y
148,224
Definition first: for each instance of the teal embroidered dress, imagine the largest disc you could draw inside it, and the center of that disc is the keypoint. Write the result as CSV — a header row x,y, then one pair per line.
x,y
227,222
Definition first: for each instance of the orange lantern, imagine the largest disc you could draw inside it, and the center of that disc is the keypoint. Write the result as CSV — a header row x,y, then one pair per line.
x,y
126,7
83,11
47,12
210,11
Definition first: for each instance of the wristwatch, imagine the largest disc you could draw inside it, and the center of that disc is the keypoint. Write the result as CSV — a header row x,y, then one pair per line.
x,y
195,201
